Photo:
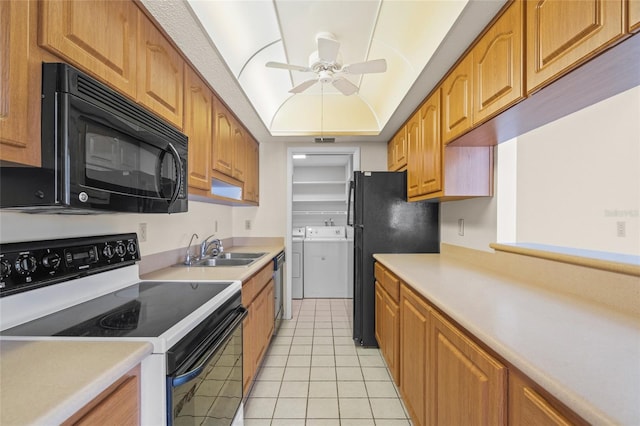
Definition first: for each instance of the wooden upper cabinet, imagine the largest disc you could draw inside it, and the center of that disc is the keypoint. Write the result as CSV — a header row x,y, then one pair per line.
x,y
431,174
15,143
465,376
633,15
498,65
414,146
457,100
397,151
222,159
562,34
239,152
198,126
160,71
97,36
252,177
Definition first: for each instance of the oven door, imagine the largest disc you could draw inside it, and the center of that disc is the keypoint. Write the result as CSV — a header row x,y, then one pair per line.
x,y
207,388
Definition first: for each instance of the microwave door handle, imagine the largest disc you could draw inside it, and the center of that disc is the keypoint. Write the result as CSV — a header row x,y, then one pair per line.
x,y
176,193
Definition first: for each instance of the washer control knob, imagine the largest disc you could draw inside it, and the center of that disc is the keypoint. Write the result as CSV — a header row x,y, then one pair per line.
x,y
25,264
51,260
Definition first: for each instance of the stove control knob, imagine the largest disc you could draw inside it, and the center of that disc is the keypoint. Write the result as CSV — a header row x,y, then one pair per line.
x,y
25,264
131,247
51,260
121,250
5,269
108,251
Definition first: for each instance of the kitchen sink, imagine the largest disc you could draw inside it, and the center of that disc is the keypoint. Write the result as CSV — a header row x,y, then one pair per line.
x,y
237,255
215,261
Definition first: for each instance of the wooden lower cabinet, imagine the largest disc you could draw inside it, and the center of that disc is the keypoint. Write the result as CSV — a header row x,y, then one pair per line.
x,y
528,405
414,355
257,329
118,405
388,330
469,386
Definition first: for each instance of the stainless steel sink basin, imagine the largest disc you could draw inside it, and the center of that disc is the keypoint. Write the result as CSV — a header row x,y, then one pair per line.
x,y
237,255
214,261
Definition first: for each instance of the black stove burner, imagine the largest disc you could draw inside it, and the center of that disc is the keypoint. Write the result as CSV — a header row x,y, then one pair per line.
x,y
152,309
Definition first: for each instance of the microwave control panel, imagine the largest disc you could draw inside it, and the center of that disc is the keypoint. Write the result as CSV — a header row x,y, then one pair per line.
x,y
29,265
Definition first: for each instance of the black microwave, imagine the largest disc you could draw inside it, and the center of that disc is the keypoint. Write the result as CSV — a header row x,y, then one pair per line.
x,y
101,152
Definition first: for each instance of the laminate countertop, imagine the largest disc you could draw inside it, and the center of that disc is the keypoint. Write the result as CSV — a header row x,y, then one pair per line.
x,y
585,355
46,382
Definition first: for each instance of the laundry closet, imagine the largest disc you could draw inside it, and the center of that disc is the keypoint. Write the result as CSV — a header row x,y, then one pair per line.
x,y
322,244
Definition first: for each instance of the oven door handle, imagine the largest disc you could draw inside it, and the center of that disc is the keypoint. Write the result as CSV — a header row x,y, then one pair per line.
x,y
197,370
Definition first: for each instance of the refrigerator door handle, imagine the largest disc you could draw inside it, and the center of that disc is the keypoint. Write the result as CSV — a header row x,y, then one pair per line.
x,y
352,187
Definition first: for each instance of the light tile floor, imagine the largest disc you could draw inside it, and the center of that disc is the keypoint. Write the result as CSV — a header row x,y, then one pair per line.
x,y
314,375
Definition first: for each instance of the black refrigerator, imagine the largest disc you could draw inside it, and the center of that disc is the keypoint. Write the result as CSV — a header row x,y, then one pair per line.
x,y
384,222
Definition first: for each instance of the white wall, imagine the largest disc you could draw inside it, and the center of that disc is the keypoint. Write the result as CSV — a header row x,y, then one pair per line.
x,y
270,218
164,232
566,184
579,176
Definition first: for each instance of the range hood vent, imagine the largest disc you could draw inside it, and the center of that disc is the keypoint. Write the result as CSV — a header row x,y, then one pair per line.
x,y
325,140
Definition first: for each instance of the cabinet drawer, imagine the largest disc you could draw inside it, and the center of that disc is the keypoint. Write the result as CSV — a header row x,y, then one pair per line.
x,y
391,284
378,272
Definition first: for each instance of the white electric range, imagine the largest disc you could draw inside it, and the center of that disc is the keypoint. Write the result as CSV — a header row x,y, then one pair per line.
x,y
89,288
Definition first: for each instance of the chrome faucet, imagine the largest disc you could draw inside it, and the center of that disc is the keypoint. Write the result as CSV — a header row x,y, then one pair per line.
x,y
206,245
187,257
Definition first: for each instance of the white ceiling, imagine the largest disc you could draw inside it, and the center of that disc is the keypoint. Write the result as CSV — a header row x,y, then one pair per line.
x,y
230,41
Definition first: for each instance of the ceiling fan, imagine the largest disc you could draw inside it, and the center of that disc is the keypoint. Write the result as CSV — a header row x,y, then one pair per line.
x,y
326,63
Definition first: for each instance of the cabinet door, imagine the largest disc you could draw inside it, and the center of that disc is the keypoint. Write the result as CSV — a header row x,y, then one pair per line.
x,y
249,348
98,36
222,160
400,151
457,99
15,143
633,15
160,73
379,316
431,152
391,154
498,65
239,153
198,115
562,34
414,146
251,183
469,386
414,359
391,319
528,407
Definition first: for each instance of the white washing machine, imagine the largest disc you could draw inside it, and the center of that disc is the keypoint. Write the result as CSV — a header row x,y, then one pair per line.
x,y
326,263
297,266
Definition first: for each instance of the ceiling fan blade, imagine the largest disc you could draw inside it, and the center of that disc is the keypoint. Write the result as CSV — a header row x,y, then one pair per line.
x,y
368,67
328,49
303,86
287,66
345,86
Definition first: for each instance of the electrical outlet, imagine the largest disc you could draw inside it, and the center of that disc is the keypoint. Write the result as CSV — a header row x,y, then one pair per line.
x,y
142,232
461,227
621,229
247,224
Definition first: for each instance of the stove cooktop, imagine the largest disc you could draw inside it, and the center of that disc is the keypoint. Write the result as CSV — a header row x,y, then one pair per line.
x,y
145,309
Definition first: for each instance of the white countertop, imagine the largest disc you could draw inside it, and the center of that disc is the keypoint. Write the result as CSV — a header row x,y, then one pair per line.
x,y
586,356
47,382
